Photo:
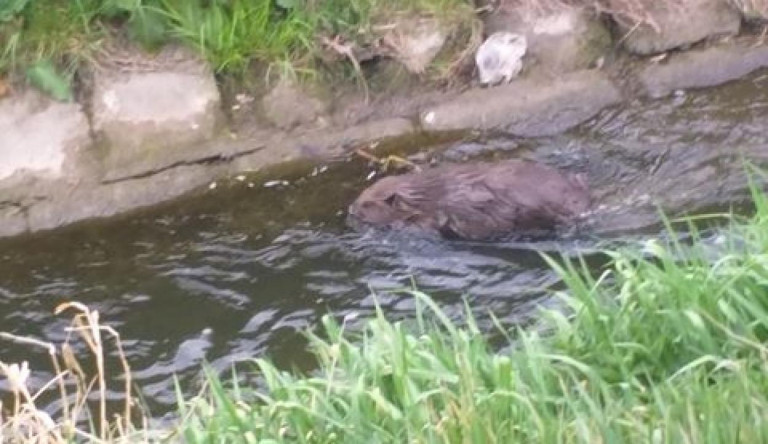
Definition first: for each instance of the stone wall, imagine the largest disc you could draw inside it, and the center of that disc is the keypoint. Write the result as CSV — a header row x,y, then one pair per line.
x,y
153,129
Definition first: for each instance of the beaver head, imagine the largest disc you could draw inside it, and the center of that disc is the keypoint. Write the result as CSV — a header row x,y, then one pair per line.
x,y
392,202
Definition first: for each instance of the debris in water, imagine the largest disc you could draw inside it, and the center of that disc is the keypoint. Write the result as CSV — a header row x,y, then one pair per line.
x,y
244,98
500,57
274,183
316,170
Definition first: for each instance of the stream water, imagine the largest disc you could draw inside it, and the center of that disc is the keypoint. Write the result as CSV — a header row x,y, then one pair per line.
x,y
240,270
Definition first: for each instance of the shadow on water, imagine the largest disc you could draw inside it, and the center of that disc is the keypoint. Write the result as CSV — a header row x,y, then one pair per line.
x,y
239,271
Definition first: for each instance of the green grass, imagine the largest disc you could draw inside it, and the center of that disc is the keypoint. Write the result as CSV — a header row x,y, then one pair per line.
x,y
62,32
232,38
666,344
232,35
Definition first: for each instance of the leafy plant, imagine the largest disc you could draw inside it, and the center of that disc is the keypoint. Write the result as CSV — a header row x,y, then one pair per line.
x,y
48,79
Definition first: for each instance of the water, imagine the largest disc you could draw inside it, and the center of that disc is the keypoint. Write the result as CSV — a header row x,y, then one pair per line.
x,y
239,271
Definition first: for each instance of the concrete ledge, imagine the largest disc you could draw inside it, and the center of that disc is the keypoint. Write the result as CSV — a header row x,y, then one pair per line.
x,y
703,68
678,25
528,107
85,202
321,145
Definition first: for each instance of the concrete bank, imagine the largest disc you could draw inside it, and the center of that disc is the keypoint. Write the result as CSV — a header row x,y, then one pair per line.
x,y
145,136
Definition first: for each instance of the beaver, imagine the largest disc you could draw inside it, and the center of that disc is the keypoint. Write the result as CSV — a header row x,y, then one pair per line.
x,y
474,201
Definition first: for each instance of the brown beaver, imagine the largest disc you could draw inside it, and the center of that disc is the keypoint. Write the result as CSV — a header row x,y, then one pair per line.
x,y
474,201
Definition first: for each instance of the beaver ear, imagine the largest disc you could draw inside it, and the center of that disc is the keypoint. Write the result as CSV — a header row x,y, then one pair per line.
x,y
399,202
394,200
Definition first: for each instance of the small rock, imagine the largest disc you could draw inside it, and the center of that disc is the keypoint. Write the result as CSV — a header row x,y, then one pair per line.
x,y
288,106
560,39
679,25
416,42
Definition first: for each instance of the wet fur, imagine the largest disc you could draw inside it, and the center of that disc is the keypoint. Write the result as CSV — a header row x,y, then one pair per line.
x,y
476,201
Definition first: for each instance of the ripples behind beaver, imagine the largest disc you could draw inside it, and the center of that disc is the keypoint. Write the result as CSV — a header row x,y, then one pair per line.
x,y
474,201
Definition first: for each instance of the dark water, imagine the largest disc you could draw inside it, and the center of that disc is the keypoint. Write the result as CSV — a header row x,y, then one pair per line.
x,y
240,270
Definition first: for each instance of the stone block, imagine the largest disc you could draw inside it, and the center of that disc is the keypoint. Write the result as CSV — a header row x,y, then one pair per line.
x,y
416,41
41,136
287,106
149,119
702,68
560,39
679,24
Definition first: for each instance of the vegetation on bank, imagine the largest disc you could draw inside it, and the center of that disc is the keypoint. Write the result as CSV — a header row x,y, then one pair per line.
x,y
56,36
47,41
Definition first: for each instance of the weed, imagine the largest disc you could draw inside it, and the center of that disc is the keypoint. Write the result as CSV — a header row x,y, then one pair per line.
x,y
25,422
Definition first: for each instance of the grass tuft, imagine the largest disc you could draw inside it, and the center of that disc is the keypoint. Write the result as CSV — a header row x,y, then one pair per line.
x,y
83,413
231,34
